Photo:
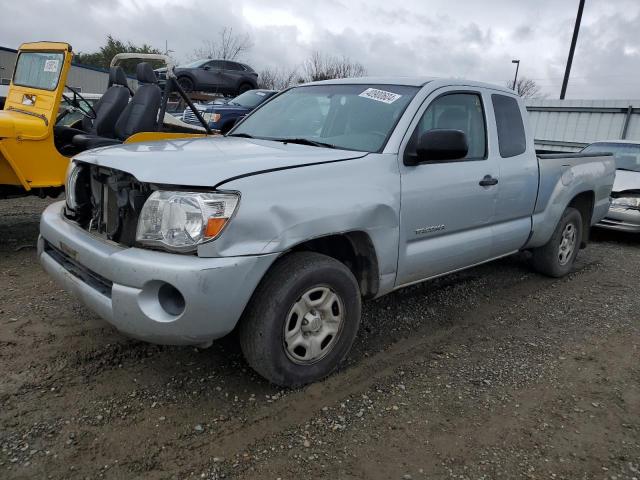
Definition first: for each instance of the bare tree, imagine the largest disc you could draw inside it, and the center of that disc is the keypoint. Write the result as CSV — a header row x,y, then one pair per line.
x,y
325,67
228,46
278,78
525,87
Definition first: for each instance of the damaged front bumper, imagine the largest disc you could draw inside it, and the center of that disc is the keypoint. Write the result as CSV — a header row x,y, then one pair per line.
x,y
150,295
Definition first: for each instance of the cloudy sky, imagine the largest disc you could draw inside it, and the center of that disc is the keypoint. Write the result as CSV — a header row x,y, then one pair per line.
x,y
454,38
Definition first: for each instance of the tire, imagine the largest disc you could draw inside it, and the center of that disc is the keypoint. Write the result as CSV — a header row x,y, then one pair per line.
x,y
226,127
186,83
557,256
245,87
280,307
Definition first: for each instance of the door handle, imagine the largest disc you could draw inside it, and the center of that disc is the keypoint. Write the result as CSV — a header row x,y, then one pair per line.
x,y
488,181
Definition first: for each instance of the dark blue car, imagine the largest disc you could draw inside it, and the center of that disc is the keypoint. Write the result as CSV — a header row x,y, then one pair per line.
x,y
223,116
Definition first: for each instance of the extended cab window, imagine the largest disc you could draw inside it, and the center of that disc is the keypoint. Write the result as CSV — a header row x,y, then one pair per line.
x,y
456,111
511,137
38,70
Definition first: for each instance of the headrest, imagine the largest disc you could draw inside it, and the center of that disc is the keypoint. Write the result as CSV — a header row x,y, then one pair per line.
x,y
453,118
145,73
117,76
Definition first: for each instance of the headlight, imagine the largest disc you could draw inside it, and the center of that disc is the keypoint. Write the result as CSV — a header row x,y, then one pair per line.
x,y
70,185
626,202
180,221
210,117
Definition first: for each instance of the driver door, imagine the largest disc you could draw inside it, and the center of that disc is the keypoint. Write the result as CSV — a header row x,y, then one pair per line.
x,y
446,215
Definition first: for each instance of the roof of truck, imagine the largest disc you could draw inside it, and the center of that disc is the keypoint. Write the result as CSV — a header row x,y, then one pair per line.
x,y
411,81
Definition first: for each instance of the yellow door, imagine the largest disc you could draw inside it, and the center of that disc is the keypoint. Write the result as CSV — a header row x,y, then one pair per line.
x,y
28,157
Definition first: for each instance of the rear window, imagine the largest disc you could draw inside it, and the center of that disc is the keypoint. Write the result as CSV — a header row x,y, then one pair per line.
x,y
511,137
38,70
234,66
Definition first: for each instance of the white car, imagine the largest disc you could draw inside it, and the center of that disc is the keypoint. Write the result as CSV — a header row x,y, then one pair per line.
x,y
624,214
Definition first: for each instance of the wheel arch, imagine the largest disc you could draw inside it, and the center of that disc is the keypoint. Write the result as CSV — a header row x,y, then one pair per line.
x,y
544,222
188,75
355,250
584,203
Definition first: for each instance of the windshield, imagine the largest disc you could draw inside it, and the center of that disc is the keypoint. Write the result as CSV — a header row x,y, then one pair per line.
x,y
68,114
627,155
352,117
38,70
196,64
250,99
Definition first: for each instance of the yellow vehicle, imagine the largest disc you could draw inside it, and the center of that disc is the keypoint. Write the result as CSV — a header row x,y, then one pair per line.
x,y
35,142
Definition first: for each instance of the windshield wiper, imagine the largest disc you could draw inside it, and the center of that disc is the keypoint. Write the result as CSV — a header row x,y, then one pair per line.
x,y
303,141
627,169
242,135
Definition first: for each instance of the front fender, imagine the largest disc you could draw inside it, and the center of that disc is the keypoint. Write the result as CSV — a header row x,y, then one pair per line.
x,y
281,209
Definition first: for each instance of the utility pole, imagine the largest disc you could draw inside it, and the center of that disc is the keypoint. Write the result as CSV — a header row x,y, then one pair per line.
x,y
572,49
515,79
166,48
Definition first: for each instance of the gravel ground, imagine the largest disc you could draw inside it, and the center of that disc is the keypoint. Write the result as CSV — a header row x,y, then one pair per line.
x,y
495,372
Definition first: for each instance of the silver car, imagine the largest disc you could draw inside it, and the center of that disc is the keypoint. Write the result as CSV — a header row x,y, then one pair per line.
x,y
327,194
624,214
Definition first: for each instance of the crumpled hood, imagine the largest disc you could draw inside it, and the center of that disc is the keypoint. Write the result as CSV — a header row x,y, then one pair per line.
x,y
626,180
208,162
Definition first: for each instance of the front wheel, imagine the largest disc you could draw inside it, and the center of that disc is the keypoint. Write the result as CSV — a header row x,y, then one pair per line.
x,y
302,319
557,256
186,83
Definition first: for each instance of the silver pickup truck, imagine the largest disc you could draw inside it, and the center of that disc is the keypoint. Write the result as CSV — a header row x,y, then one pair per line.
x,y
328,193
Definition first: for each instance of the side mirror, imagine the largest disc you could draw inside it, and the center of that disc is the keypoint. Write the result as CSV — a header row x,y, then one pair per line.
x,y
206,67
439,145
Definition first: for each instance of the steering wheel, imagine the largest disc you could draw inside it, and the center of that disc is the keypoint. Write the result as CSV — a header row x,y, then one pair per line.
x,y
89,113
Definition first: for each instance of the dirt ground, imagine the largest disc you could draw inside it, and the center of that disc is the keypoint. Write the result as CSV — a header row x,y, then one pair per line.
x,y
495,372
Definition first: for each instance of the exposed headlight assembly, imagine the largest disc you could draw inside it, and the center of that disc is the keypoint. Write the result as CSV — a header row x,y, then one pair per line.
x,y
180,221
632,203
73,171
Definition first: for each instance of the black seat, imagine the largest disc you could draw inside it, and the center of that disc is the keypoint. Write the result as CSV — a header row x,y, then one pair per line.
x,y
108,109
140,115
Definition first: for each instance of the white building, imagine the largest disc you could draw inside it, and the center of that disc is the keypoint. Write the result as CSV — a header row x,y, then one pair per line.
x,y
570,125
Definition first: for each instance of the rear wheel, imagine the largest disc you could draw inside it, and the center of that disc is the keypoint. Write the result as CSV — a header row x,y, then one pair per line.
x,y
557,257
186,83
302,319
244,88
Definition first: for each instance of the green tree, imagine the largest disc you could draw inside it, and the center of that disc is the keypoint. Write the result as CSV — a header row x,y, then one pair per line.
x,y
102,58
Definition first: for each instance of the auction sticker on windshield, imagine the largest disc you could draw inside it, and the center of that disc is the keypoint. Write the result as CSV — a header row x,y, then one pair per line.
x,y
51,66
380,95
